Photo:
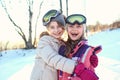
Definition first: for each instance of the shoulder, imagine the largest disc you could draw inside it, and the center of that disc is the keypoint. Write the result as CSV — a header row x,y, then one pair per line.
x,y
47,38
44,40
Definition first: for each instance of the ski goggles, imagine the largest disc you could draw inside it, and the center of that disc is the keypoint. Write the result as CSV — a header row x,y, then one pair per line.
x,y
76,18
49,15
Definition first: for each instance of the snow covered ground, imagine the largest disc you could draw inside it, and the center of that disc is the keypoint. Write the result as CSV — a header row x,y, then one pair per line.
x,y
14,60
17,64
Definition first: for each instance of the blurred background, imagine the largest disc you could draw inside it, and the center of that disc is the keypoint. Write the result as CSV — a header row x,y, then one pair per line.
x,y
21,25
20,20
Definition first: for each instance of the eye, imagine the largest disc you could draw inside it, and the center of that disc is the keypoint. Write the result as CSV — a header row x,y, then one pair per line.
x,y
70,26
79,26
52,27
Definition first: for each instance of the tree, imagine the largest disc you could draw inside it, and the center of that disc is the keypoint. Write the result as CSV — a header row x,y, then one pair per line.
x,y
27,40
66,7
61,6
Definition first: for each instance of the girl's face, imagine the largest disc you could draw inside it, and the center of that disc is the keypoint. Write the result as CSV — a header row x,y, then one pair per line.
x,y
55,30
75,31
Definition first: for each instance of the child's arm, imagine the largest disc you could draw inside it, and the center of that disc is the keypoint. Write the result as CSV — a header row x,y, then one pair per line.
x,y
53,59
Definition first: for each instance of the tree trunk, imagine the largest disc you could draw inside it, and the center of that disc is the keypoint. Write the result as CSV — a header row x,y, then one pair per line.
x,y
29,43
61,6
66,7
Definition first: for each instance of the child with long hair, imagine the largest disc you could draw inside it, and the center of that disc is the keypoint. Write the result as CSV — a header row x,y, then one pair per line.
x,y
47,59
76,48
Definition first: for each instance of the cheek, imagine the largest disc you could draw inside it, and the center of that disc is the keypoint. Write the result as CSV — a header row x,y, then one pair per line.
x,y
81,30
50,31
61,30
68,30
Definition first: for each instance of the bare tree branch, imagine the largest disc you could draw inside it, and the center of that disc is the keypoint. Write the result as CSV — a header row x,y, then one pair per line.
x,y
37,21
20,30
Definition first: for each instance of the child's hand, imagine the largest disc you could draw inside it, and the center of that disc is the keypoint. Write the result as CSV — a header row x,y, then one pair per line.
x,y
79,68
94,60
84,73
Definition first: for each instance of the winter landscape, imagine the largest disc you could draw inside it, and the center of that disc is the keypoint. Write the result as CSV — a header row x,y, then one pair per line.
x,y
17,64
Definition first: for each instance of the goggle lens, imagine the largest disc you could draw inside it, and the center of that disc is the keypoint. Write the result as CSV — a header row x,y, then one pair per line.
x,y
72,19
51,14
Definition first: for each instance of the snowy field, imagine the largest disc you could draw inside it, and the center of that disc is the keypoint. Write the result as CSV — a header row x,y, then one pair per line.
x,y
17,64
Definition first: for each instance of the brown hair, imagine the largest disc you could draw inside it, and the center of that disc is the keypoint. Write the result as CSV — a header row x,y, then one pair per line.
x,y
44,33
59,24
70,44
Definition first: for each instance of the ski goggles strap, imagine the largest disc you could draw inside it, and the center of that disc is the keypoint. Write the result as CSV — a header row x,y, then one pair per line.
x,y
49,15
76,18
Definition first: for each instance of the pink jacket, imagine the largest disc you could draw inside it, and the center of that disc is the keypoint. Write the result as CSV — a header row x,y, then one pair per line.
x,y
81,52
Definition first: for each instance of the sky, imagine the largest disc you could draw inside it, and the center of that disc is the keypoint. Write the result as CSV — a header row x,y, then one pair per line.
x,y
104,11
17,64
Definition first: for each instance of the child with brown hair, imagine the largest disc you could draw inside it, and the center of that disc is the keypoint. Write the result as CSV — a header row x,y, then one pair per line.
x,y
47,59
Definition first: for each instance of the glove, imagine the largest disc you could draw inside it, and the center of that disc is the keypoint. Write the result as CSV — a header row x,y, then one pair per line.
x,y
94,60
84,73
79,68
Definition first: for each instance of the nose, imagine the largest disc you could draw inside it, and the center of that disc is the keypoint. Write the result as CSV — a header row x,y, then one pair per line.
x,y
56,29
74,28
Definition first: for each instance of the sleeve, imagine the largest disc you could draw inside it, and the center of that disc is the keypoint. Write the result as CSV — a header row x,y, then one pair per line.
x,y
52,58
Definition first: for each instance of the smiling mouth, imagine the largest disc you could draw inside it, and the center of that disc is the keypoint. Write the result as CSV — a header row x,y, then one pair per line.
x,y
59,33
74,35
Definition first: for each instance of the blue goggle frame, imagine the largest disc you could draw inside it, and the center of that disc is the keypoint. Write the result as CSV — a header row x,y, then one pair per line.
x,y
49,15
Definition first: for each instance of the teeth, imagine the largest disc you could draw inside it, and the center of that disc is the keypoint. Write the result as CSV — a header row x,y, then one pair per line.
x,y
74,34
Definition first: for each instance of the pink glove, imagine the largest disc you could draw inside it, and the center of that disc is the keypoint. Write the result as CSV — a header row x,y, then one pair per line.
x,y
84,73
94,60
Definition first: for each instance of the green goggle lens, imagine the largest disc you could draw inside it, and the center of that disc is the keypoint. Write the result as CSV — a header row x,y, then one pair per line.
x,y
48,16
76,18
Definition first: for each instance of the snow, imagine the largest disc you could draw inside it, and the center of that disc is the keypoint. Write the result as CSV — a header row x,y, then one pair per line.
x,y
17,64
14,60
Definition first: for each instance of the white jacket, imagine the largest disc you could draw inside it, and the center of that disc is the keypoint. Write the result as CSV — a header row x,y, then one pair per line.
x,y
48,60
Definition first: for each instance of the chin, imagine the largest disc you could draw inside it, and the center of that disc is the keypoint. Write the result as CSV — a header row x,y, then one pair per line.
x,y
57,37
73,39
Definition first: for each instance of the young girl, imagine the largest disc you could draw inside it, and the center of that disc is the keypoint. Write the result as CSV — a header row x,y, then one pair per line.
x,y
47,59
77,49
